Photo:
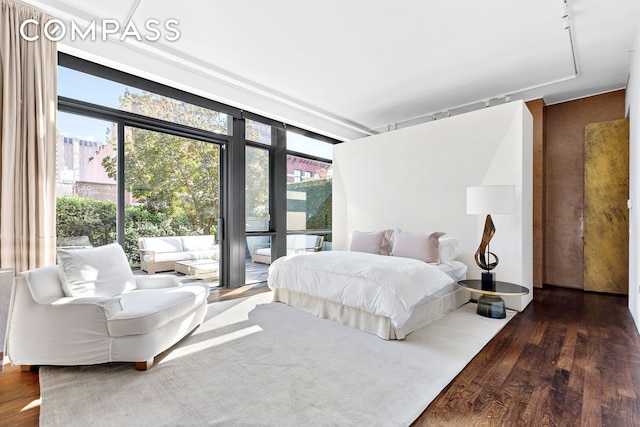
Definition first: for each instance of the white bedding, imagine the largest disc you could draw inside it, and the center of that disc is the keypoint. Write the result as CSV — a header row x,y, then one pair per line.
x,y
381,285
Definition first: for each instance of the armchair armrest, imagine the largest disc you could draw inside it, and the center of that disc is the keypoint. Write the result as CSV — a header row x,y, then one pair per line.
x,y
44,332
259,246
151,253
313,249
157,281
108,306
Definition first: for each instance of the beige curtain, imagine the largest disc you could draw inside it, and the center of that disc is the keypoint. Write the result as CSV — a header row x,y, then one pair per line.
x,y
27,141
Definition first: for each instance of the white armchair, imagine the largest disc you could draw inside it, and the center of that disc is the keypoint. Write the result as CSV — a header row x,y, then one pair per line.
x,y
89,310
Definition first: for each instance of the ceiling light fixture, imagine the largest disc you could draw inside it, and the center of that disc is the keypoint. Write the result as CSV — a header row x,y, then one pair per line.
x,y
565,9
567,24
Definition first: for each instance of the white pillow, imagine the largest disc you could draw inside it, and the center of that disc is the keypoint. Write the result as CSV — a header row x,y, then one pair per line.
x,y
373,242
420,246
103,271
448,249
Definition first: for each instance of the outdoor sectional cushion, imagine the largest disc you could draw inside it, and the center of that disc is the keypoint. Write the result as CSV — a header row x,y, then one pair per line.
x,y
179,248
198,243
162,244
184,255
146,310
295,243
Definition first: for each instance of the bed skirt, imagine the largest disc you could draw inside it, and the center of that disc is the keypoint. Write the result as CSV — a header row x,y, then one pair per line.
x,y
378,325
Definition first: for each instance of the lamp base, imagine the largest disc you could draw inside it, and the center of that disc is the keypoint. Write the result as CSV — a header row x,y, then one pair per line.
x,y
488,280
491,306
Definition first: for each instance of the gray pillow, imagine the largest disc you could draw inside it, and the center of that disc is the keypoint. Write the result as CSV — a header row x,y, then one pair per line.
x,y
373,242
421,246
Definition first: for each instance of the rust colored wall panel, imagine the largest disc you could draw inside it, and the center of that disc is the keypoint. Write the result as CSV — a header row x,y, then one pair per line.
x,y
564,182
537,111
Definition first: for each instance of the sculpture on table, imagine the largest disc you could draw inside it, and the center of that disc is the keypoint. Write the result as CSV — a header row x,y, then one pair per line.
x,y
483,255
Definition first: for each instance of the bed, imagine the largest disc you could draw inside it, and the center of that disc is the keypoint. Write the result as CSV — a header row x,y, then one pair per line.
x,y
389,296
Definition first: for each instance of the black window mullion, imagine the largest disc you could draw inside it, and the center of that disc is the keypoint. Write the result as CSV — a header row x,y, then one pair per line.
x,y
234,226
120,186
136,120
278,196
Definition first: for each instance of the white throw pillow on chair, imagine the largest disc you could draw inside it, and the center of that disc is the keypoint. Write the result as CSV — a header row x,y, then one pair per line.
x,y
95,272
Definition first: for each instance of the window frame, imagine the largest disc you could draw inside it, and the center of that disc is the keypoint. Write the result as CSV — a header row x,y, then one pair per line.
x,y
233,156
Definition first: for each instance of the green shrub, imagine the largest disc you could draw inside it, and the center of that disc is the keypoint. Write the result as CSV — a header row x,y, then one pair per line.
x,y
77,216
318,203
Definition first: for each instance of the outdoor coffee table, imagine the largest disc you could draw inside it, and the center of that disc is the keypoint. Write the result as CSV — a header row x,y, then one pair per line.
x,y
204,269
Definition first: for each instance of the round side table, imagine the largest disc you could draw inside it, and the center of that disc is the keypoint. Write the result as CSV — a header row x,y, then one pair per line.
x,y
490,303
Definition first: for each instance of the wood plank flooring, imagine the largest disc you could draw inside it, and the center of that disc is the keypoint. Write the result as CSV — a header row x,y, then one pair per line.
x,y
570,359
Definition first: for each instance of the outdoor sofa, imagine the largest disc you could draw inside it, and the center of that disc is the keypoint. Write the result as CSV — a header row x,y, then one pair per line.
x,y
296,243
161,253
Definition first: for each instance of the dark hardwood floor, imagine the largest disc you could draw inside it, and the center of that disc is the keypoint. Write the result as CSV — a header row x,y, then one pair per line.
x,y
570,359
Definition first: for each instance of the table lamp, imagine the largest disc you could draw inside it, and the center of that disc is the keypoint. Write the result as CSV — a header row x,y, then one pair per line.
x,y
489,199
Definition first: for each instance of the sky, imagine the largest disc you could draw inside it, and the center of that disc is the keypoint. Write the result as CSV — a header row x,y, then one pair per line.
x,y
84,87
77,85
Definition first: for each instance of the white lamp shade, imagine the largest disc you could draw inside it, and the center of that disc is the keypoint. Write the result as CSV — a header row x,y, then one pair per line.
x,y
491,199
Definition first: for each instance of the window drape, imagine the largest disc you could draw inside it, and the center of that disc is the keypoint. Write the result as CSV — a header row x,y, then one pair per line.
x,y
28,76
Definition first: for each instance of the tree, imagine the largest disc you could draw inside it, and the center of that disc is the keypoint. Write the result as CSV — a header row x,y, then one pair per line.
x,y
257,182
169,173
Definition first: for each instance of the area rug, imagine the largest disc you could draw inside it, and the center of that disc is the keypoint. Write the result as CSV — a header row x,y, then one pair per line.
x,y
257,363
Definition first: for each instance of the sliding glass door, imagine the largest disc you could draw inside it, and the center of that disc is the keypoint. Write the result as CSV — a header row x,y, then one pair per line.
x,y
172,189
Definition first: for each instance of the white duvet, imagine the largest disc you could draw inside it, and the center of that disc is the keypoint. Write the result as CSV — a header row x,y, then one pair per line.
x,y
382,285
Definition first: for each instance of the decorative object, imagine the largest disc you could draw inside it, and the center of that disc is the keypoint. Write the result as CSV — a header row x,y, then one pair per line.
x,y
256,363
489,199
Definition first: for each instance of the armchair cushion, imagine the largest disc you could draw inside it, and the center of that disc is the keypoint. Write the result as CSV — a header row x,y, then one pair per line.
x,y
102,271
150,309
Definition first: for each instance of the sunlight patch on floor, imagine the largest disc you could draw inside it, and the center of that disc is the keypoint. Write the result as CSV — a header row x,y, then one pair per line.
x,y
32,405
186,350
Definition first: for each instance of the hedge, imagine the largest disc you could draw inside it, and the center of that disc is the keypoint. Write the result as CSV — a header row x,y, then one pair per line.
x,y
96,219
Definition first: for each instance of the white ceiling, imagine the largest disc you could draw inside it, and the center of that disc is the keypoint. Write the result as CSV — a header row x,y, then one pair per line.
x,y
348,69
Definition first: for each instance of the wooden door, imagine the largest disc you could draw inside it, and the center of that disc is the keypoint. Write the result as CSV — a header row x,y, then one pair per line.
x,y
606,216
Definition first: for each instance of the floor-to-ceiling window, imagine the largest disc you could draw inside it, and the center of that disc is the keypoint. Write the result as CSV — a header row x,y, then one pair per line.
x,y
257,200
85,194
172,188
169,169
309,187
148,160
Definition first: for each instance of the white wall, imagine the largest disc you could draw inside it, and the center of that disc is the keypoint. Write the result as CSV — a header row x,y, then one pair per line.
x,y
415,179
633,112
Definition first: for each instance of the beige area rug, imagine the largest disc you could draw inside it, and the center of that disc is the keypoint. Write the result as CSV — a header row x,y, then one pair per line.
x,y
256,363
